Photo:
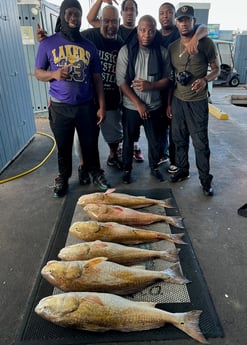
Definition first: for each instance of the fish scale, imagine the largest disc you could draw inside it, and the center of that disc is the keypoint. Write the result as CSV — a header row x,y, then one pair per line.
x,y
120,233
115,252
99,312
110,197
127,216
101,275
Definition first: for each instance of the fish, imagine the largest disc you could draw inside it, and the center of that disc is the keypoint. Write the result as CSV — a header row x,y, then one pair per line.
x,y
100,275
127,216
119,233
100,312
115,252
110,197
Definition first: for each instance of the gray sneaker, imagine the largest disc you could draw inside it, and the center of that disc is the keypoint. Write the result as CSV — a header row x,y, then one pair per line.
x,y
101,182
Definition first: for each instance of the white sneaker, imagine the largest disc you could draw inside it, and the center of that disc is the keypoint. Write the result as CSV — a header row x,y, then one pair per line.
x,y
172,169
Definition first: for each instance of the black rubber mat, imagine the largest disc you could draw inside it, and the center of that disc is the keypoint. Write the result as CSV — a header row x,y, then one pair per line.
x,y
38,331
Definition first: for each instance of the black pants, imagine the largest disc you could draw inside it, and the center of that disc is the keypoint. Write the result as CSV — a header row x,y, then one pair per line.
x,y
166,132
166,138
131,127
191,119
64,119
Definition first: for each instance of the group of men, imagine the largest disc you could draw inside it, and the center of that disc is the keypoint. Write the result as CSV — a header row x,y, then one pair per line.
x,y
118,78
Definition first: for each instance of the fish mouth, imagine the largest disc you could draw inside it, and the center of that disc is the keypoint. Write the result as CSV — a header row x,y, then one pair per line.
x,y
47,274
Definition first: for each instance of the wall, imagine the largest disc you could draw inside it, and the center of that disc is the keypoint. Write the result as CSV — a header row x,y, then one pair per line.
x,y
17,125
240,57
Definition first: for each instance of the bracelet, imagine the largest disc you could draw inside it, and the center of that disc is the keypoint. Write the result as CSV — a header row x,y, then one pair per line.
x,y
206,80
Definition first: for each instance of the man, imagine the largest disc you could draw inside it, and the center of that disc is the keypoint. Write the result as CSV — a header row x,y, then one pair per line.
x,y
108,44
71,65
189,107
170,33
142,71
129,13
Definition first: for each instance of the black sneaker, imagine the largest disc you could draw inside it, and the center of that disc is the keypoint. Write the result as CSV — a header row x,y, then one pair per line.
x,y
179,176
207,189
126,177
83,176
61,187
101,182
114,162
157,174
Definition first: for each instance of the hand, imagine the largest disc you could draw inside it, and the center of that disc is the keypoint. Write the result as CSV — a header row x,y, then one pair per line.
x,y
141,85
191,47
143,111
199,84
101,116
169,111
40,33
62,73
110,2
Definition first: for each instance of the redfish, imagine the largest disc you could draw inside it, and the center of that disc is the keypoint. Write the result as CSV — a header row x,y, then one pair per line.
x,y
100,275
124,215
100,312
114,252
121,199
119,233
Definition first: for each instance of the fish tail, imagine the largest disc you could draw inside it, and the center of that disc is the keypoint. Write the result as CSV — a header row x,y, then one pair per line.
x,y
168,203
170,255
189,324
177,238
174,275
175,221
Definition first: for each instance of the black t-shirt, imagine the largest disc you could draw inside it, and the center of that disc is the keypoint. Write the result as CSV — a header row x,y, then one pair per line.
x,y
108,52
124,32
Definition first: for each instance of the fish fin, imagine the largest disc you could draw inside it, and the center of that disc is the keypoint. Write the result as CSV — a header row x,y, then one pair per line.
x,y
170,255
138,267
175,275
189,324
168,203
117,207
79,201
99,244
149,304
110,190
177,238
95,261
94,299
175,221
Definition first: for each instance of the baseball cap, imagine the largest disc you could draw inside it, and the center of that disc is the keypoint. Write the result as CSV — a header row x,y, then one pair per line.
x,y
185,11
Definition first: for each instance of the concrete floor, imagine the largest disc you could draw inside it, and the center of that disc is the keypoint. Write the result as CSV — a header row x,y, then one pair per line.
x,y
28,216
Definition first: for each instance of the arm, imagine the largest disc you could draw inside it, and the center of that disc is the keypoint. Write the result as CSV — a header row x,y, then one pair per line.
x,y
201,83
40,33
92,16
98,84
140,106
47,75
169,99
191,48
144,85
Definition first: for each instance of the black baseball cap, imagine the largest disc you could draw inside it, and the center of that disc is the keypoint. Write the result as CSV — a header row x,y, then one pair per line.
x,y
185,11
